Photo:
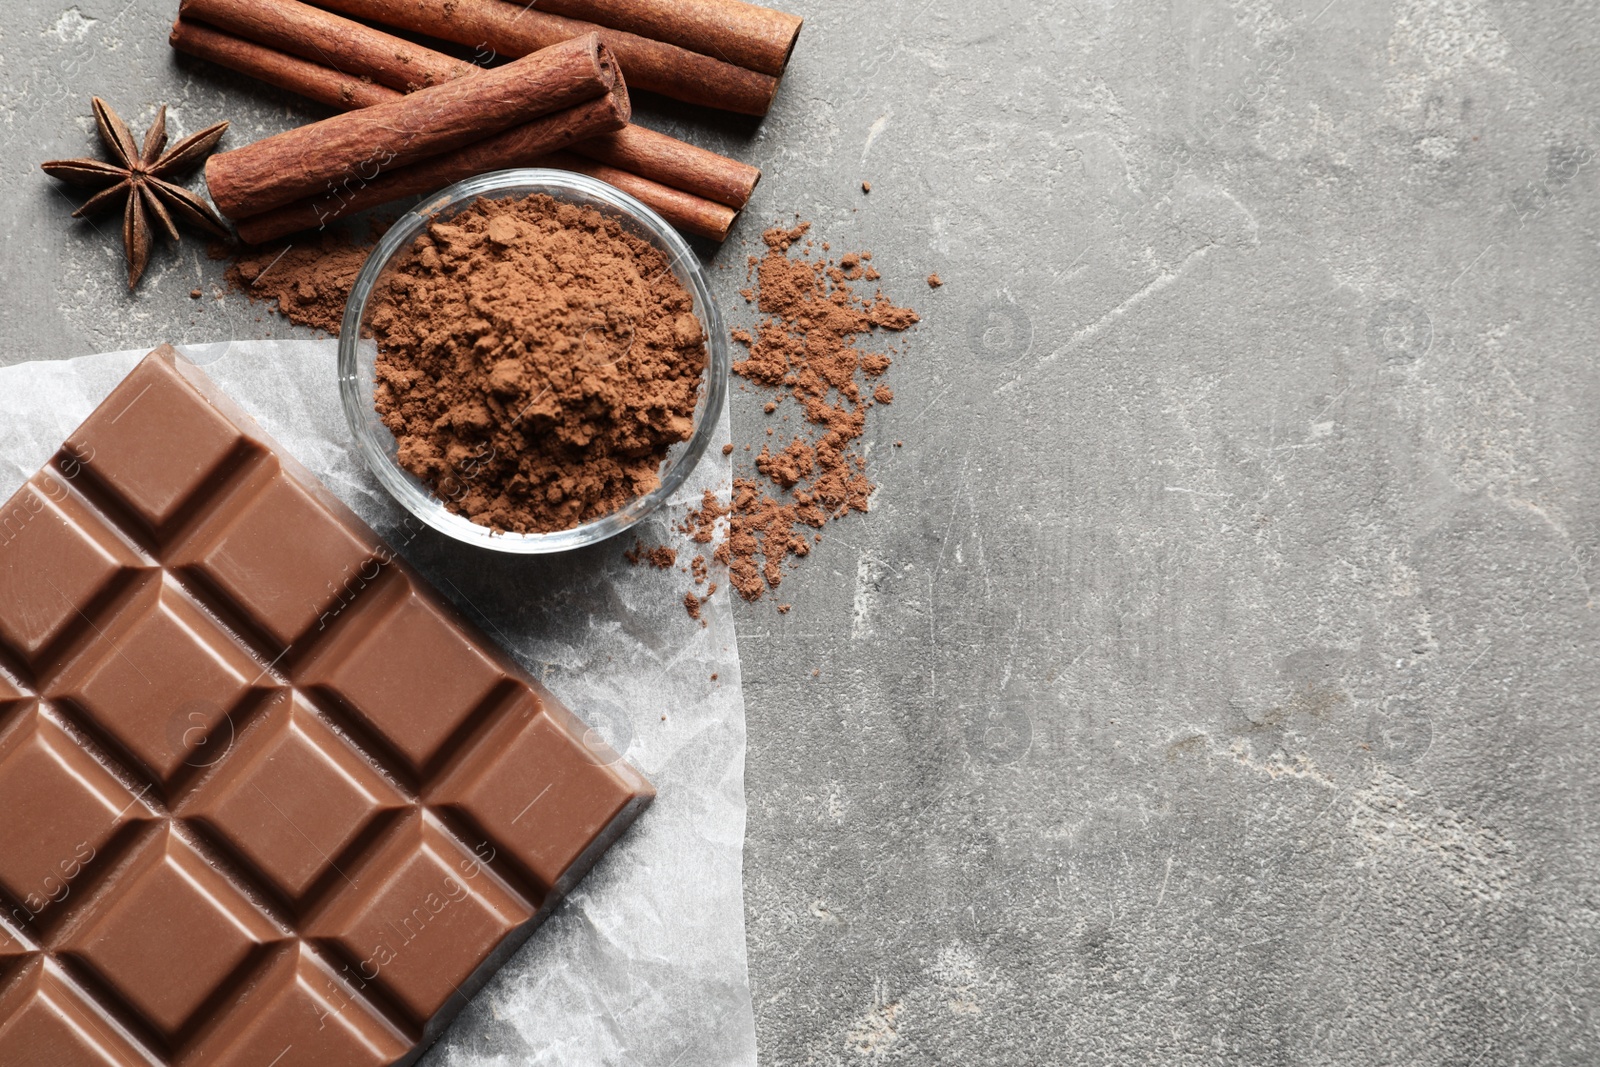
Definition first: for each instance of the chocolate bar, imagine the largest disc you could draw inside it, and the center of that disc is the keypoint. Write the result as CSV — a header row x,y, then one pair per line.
x,y
265,797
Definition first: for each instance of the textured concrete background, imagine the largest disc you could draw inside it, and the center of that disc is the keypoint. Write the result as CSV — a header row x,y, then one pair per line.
x,y
1213,680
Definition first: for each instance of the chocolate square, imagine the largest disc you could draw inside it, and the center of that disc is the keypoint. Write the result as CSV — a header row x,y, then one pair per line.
x,y
160,676
420,915
542,790
60,809
300,1014
167,931
405,667
52,1021
56,558
292,796
151,445
278,553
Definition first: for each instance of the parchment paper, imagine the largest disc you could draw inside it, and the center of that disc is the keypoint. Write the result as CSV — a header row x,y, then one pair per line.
x,y
645,962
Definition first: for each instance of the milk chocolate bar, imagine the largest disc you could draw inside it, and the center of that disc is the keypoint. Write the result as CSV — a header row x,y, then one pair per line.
x,y
265,798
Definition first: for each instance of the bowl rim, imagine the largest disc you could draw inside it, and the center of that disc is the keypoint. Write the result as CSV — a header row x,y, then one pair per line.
x,y
409,492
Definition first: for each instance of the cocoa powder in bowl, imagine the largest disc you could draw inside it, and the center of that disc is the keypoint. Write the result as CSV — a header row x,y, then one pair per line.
x,y
536,361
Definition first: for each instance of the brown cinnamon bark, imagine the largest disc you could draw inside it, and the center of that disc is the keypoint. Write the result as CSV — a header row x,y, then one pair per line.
x,y
324,38
518,147
360,145
675,163
319,83
689,213
515,29
653,153
365,52
756,38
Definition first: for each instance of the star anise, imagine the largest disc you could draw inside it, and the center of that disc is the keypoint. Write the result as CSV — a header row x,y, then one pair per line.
x,y
139,180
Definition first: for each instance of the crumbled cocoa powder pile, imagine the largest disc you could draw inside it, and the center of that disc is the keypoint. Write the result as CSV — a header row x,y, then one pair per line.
x,y
310,279
660,557
808,349
535,363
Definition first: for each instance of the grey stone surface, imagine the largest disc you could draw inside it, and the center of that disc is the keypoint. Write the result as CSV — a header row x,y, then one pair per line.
x,y
1213,680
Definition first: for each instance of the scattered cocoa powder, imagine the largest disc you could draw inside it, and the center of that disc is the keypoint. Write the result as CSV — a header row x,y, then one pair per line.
x,y
535,362
692,604
807,349
309,279
660,557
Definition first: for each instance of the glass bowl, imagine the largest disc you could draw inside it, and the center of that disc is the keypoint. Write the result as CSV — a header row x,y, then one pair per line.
x,y
357,358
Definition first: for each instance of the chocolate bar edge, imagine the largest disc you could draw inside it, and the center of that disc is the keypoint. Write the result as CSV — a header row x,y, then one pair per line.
x,y
634,785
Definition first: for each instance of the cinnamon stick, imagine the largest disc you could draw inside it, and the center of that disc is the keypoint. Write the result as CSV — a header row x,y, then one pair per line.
x,y
672,162
686,210
324,38
359,145
517,147
311,80
293,26
756,38
689,213
515,29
